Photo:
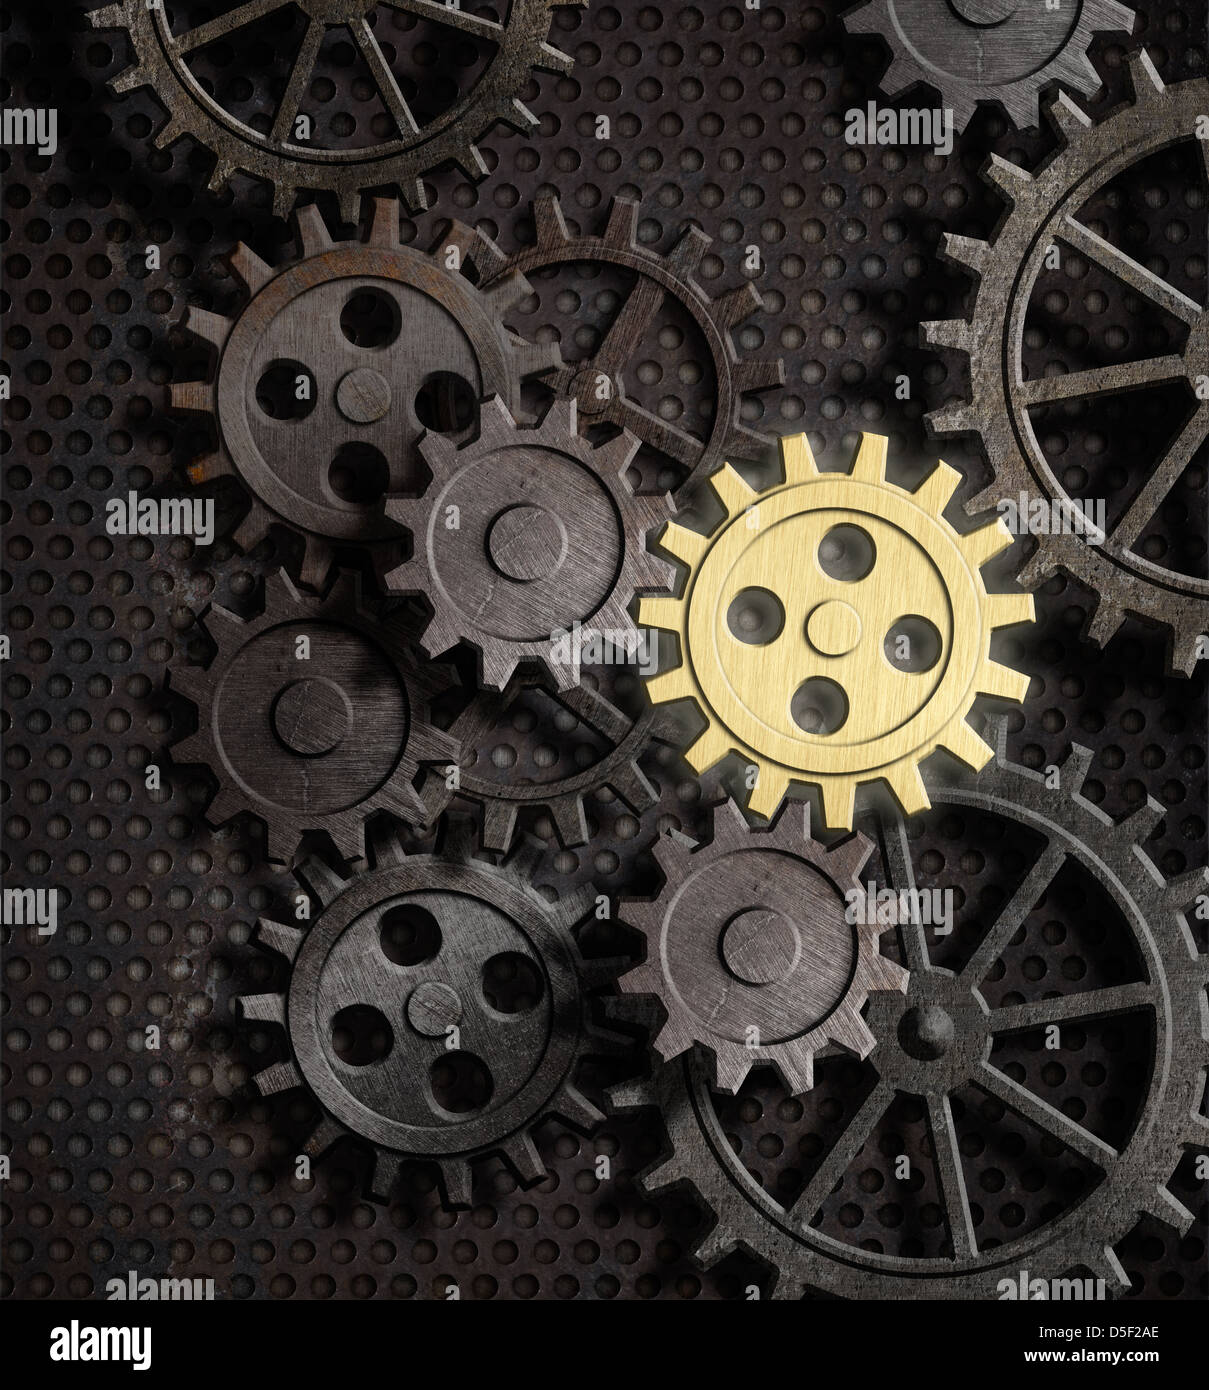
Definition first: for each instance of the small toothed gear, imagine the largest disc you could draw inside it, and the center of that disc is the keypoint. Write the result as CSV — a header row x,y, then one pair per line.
x,y
754,951
989,50
514,46
371,328
413,951
548,534
314,716
562,797
656,278
789,614
1044,213
939,1037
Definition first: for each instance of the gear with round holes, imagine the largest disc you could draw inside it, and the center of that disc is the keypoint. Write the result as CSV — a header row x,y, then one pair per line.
x,y
834,630
514,47
938,1036
314,715
755,951
329,376
1043,214
597,382
1006,51
437,1009
503,801
529,544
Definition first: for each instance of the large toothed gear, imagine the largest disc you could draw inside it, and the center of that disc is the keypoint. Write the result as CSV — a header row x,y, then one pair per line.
x,y
1007,51
513,47
834,630
598,381
314,716
938,1038
521,535
1044,213
755,951
372,329
562,797
399,955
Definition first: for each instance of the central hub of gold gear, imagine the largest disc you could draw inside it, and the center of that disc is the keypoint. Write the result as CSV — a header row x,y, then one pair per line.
x,y
839,630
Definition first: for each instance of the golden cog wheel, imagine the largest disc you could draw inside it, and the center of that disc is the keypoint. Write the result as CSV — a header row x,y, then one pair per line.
x,y
834,630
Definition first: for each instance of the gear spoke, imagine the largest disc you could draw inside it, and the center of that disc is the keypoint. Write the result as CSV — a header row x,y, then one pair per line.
x,y
384,79
300,75
1092,1003
1013,913
1100,381
1128,271
1169,471
225,24
842,1152
1045,1116
951,1177
680,446
629,324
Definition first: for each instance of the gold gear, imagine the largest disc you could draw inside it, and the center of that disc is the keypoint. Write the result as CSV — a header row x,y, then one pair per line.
x,y
834,630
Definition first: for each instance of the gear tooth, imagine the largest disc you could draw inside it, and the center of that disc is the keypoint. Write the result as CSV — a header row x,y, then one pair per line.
x,y
714,1247
459,844
263,1008
621,230
955,334
687,253
735,306
857,1037
732,1062
757,374
524,1157
633,786
870,463
191,397
194,749
1002,682
1036,569
193,683
1139,825
1144,76
731,491
549,222
1166,1207
521,118
1184,648
771,789
667,686
970,253
570,821
107,17
1076,766
1020,101
839,800
313,235
277,936
209,467
711,747
249,269
533,359
382,1174
577,1110
956,418
795,1066
797,459
385,847
1010,179
384,222
284,195
936,491
225,806
505,292
982,545
1009,609
1181,892
317,561
1104,622
499,826
168,133
908,788
862,20
320,880
250,531
1068,119
130,78
472,163
220,176
322,1137
456,1182
965,744
213,328
660,611
1105,1265
281,1076
681,544
847,859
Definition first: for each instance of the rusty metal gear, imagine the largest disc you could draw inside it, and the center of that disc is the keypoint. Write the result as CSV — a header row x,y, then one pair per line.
x,y
367,331
437,1009
521,535
515,46
989,50
562,797
793,616
755,950
656,277
314,715
939,1036
1044,208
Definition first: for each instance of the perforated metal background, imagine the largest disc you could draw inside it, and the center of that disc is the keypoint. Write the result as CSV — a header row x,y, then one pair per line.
x,y
167,1162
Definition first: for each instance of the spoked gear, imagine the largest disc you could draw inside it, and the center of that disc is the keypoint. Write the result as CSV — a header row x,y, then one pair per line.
x,y
656,277
1043,214
789,614
515,46
502,802
989,50
939,1037
436,1009
371,329
314,716
523,534
751,950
